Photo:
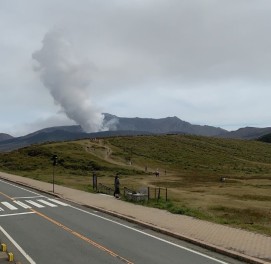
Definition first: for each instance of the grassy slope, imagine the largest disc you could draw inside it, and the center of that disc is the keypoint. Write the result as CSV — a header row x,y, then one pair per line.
x,y
190,166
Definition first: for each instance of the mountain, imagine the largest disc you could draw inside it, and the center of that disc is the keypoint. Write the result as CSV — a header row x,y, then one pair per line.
x,y
159,126
265,138
4,136
44,135
247,133
61,133
122,126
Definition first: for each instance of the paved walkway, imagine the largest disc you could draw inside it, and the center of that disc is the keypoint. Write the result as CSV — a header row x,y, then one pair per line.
x,y
247,246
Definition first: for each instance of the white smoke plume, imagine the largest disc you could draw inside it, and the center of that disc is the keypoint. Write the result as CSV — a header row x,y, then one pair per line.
x,y
67,77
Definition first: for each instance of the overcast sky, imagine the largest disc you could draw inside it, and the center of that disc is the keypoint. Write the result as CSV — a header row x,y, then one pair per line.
x,y
63,62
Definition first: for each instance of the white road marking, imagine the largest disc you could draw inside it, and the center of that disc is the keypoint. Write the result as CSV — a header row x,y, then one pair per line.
x,y
22,188
152,236
58,202
31,261
106,219
47,203
35,204
29,197
1,209
9,206
17,214
22,204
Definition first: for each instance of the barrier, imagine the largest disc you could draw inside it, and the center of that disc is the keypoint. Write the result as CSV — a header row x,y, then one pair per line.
x,y
105,189
134,196
9,255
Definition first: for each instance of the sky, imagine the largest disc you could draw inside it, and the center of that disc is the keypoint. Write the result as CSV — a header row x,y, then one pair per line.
x,y
65,62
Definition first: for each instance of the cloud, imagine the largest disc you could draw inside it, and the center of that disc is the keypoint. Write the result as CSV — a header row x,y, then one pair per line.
x,y
25,128
204,61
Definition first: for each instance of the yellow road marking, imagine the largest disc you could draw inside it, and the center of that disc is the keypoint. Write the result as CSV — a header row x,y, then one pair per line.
x,y
93,243
6,196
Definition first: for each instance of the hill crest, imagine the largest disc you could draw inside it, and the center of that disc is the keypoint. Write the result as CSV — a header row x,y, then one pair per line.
x,y
122,126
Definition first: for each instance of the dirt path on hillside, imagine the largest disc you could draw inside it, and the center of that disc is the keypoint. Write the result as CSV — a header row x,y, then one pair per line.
x,y
100,150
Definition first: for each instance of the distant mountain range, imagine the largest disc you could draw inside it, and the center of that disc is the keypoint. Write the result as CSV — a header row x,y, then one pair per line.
x,y
121,126
4,136
159,126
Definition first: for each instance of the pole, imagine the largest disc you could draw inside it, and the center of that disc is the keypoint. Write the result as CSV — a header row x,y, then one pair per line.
x,y
53,179
54,159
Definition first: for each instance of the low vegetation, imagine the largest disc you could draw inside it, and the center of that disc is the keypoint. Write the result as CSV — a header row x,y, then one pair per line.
x,y
220,180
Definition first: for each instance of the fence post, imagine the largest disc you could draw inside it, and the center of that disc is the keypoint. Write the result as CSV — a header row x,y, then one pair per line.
x,y
166,194
94,181
158,196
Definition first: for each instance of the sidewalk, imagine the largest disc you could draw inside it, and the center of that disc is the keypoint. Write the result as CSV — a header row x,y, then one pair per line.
x,y
244,245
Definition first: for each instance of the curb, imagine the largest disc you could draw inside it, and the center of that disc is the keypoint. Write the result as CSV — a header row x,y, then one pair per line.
x,y
223,251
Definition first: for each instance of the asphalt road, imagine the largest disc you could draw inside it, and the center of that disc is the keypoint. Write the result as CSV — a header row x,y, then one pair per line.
x,y
44,229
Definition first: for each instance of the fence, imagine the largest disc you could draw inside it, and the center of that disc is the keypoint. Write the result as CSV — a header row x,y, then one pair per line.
x,y
157,193
146,194
105,189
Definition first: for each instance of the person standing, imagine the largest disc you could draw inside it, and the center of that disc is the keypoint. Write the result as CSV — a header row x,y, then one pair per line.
x,y
117,187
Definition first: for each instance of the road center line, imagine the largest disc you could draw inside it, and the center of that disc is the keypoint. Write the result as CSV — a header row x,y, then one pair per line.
x,y
91,242
106,219
149,235
6,196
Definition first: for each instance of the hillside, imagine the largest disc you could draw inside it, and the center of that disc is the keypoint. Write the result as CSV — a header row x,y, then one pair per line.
x,y
57,134
113,126
265,138
184,153
247,133
4,137
190,167
119,126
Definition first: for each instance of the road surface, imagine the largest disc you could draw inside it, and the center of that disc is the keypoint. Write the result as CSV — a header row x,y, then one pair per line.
x,y
44,229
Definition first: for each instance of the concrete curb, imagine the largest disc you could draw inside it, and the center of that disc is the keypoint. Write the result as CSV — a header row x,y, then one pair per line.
x,y
202,244
223,251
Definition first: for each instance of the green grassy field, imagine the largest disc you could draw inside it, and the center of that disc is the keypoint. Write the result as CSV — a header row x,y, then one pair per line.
x,y
190,167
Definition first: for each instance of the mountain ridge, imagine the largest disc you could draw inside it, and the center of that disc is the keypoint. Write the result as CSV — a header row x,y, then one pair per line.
x,y
125,126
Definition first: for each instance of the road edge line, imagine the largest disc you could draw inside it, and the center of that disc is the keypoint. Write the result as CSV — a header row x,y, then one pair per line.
x,y
31,261
230,253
